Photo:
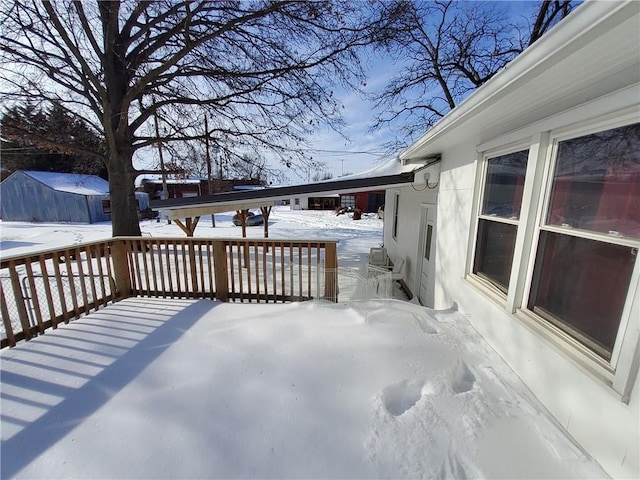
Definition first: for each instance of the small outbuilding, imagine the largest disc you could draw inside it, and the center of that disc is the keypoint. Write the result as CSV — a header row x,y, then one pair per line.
x,y
29,196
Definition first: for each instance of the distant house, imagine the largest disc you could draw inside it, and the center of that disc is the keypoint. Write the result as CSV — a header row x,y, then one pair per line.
x,y
176,188
367,201
528,223
58,197
328,201
194,187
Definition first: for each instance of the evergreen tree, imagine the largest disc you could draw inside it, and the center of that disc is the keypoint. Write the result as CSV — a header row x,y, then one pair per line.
x,y
50,140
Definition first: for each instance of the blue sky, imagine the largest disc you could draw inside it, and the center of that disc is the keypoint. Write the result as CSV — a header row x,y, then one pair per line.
x,y
345,156
361,149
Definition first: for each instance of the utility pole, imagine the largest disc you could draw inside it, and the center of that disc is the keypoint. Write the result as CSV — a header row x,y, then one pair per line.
x,y
206,142
165,191
219,162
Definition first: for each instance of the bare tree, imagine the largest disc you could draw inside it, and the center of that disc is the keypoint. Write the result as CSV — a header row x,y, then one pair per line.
x,y
261,70
444,50
549,13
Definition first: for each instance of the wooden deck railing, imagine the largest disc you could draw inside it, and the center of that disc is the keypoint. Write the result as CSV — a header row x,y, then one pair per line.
x,y
41,290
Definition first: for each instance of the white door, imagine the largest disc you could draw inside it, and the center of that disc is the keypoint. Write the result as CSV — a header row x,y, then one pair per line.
x,y
426,260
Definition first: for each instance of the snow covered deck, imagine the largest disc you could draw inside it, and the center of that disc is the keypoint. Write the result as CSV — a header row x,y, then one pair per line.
x,y
162,388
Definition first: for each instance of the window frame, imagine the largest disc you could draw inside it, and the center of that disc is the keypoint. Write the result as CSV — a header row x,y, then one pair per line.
x,y
543,200
495,291
619,372
350,200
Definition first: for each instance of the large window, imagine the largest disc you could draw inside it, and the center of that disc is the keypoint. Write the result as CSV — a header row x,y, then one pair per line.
x,y
587,245
499,217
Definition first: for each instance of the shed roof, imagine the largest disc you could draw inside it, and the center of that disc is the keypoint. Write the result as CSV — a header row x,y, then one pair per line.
x,y
72,182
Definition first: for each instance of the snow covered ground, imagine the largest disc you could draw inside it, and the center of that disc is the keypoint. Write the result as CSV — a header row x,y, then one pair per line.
x,y
150,388
356,236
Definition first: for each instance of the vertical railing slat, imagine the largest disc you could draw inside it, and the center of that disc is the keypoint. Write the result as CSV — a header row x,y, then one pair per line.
x,y
154,273
83,286
34,296
63,302
168,263
6,319
210,268
47,290
94,294
99,253
18,296
158,244
142,252
72,285
232,272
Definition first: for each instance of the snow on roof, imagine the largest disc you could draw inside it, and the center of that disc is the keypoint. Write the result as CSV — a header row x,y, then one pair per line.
x,y
249,187
173,181
72,182
391,166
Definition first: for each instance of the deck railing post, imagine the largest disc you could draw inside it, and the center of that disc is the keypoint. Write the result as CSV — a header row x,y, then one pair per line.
x,y
331,272
121,268
220,270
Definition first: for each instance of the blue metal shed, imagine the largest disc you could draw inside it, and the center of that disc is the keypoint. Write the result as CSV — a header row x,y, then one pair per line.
x,y
57,197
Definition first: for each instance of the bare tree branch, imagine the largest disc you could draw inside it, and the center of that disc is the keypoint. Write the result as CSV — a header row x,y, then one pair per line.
x,y
444,50
262,71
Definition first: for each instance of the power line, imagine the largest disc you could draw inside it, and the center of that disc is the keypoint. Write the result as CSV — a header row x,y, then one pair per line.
x,y
342,152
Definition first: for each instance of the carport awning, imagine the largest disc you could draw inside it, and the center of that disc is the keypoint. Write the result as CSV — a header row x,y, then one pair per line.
x,y
391,174
230,201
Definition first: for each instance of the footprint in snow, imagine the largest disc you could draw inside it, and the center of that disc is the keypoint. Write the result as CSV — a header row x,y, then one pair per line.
x,y
402,396
463,378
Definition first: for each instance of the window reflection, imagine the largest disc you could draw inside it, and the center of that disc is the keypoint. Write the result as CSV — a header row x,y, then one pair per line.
x,y
503,188
596,183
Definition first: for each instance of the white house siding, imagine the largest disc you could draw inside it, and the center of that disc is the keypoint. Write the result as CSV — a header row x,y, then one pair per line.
x,y
585,405
406,243
514,110
299,203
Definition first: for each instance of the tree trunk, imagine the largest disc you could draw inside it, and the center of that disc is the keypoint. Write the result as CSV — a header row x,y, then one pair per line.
x,y
124,206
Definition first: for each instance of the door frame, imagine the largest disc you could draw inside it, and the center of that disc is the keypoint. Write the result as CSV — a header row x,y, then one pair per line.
x,y
427,210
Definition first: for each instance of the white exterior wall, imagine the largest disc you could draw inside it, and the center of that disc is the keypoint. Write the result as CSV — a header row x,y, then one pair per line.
x,y
302,203
583,403
406,243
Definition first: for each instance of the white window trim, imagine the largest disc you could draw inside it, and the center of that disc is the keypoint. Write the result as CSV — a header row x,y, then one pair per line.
x,y
481,174
620,372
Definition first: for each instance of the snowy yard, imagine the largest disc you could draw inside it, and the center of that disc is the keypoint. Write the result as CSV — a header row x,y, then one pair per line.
x,y
154,388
